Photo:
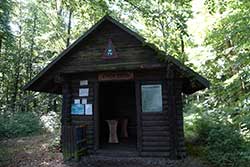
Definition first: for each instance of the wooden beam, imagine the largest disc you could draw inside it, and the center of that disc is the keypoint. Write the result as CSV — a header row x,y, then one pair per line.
x,y
96,115
138,109
172,110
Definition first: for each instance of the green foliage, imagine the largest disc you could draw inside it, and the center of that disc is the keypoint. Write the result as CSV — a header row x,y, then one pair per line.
x,y
229,70
4,17
215,138
220,119
226,146
32,33
19,124
165,23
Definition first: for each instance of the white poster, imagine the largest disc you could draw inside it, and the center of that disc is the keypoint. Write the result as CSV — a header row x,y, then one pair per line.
x,y
77,101
88,109
83,82
83,92
84,101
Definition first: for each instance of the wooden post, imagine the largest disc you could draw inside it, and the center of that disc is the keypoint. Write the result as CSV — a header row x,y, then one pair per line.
x,y
65,93
96,115
172,111
181,150
138,109
65,119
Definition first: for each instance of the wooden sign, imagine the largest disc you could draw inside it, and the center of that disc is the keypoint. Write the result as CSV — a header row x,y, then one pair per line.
x,y
114,76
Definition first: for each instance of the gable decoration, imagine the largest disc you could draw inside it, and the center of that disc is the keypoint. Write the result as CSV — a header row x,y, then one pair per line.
x,y
110,51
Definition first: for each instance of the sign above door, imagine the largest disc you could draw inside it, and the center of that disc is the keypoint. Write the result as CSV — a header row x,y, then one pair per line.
x,y
115,76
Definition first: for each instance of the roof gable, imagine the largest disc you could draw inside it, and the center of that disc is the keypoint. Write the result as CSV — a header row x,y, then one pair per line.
x,y
187,71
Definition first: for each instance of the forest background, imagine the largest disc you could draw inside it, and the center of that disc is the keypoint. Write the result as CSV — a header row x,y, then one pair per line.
x,y
210,36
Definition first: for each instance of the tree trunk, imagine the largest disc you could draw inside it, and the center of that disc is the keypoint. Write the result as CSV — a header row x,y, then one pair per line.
x,y
16,85
29,71
59,7
32,47
183,59
1,43
17,67
55,105
182,44
69,28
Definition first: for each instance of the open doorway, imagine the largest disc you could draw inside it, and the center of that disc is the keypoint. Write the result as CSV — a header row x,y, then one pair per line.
x,y
117,102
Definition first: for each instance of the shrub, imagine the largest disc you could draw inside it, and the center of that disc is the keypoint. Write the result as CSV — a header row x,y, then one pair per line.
x,y
219,142
19,124
226,146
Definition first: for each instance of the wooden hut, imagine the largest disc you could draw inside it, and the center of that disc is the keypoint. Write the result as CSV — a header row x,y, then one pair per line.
x,y
118,88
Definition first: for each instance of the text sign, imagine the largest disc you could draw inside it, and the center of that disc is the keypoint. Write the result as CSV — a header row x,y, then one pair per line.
x,y
83,92
114,76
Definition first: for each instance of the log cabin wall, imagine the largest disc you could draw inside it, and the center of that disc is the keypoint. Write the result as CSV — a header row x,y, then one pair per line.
x,y
155,130
159,134
154,134
174,88
86,120
65,120
180,145
71,91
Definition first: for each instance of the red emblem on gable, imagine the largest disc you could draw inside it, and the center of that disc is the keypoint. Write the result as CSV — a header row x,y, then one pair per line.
x,y
110,51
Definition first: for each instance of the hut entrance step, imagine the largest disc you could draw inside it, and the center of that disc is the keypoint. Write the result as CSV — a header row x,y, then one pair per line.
x,y
116,153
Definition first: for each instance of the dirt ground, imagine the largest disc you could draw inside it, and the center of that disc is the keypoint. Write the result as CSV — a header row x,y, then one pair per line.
x,y
29,151
35,151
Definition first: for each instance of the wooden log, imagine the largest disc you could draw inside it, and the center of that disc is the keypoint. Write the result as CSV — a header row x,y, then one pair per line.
x,y
155,154
138,111
156,133
156,128
154,123
156,148
158,143
154,138
82,118
155,118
